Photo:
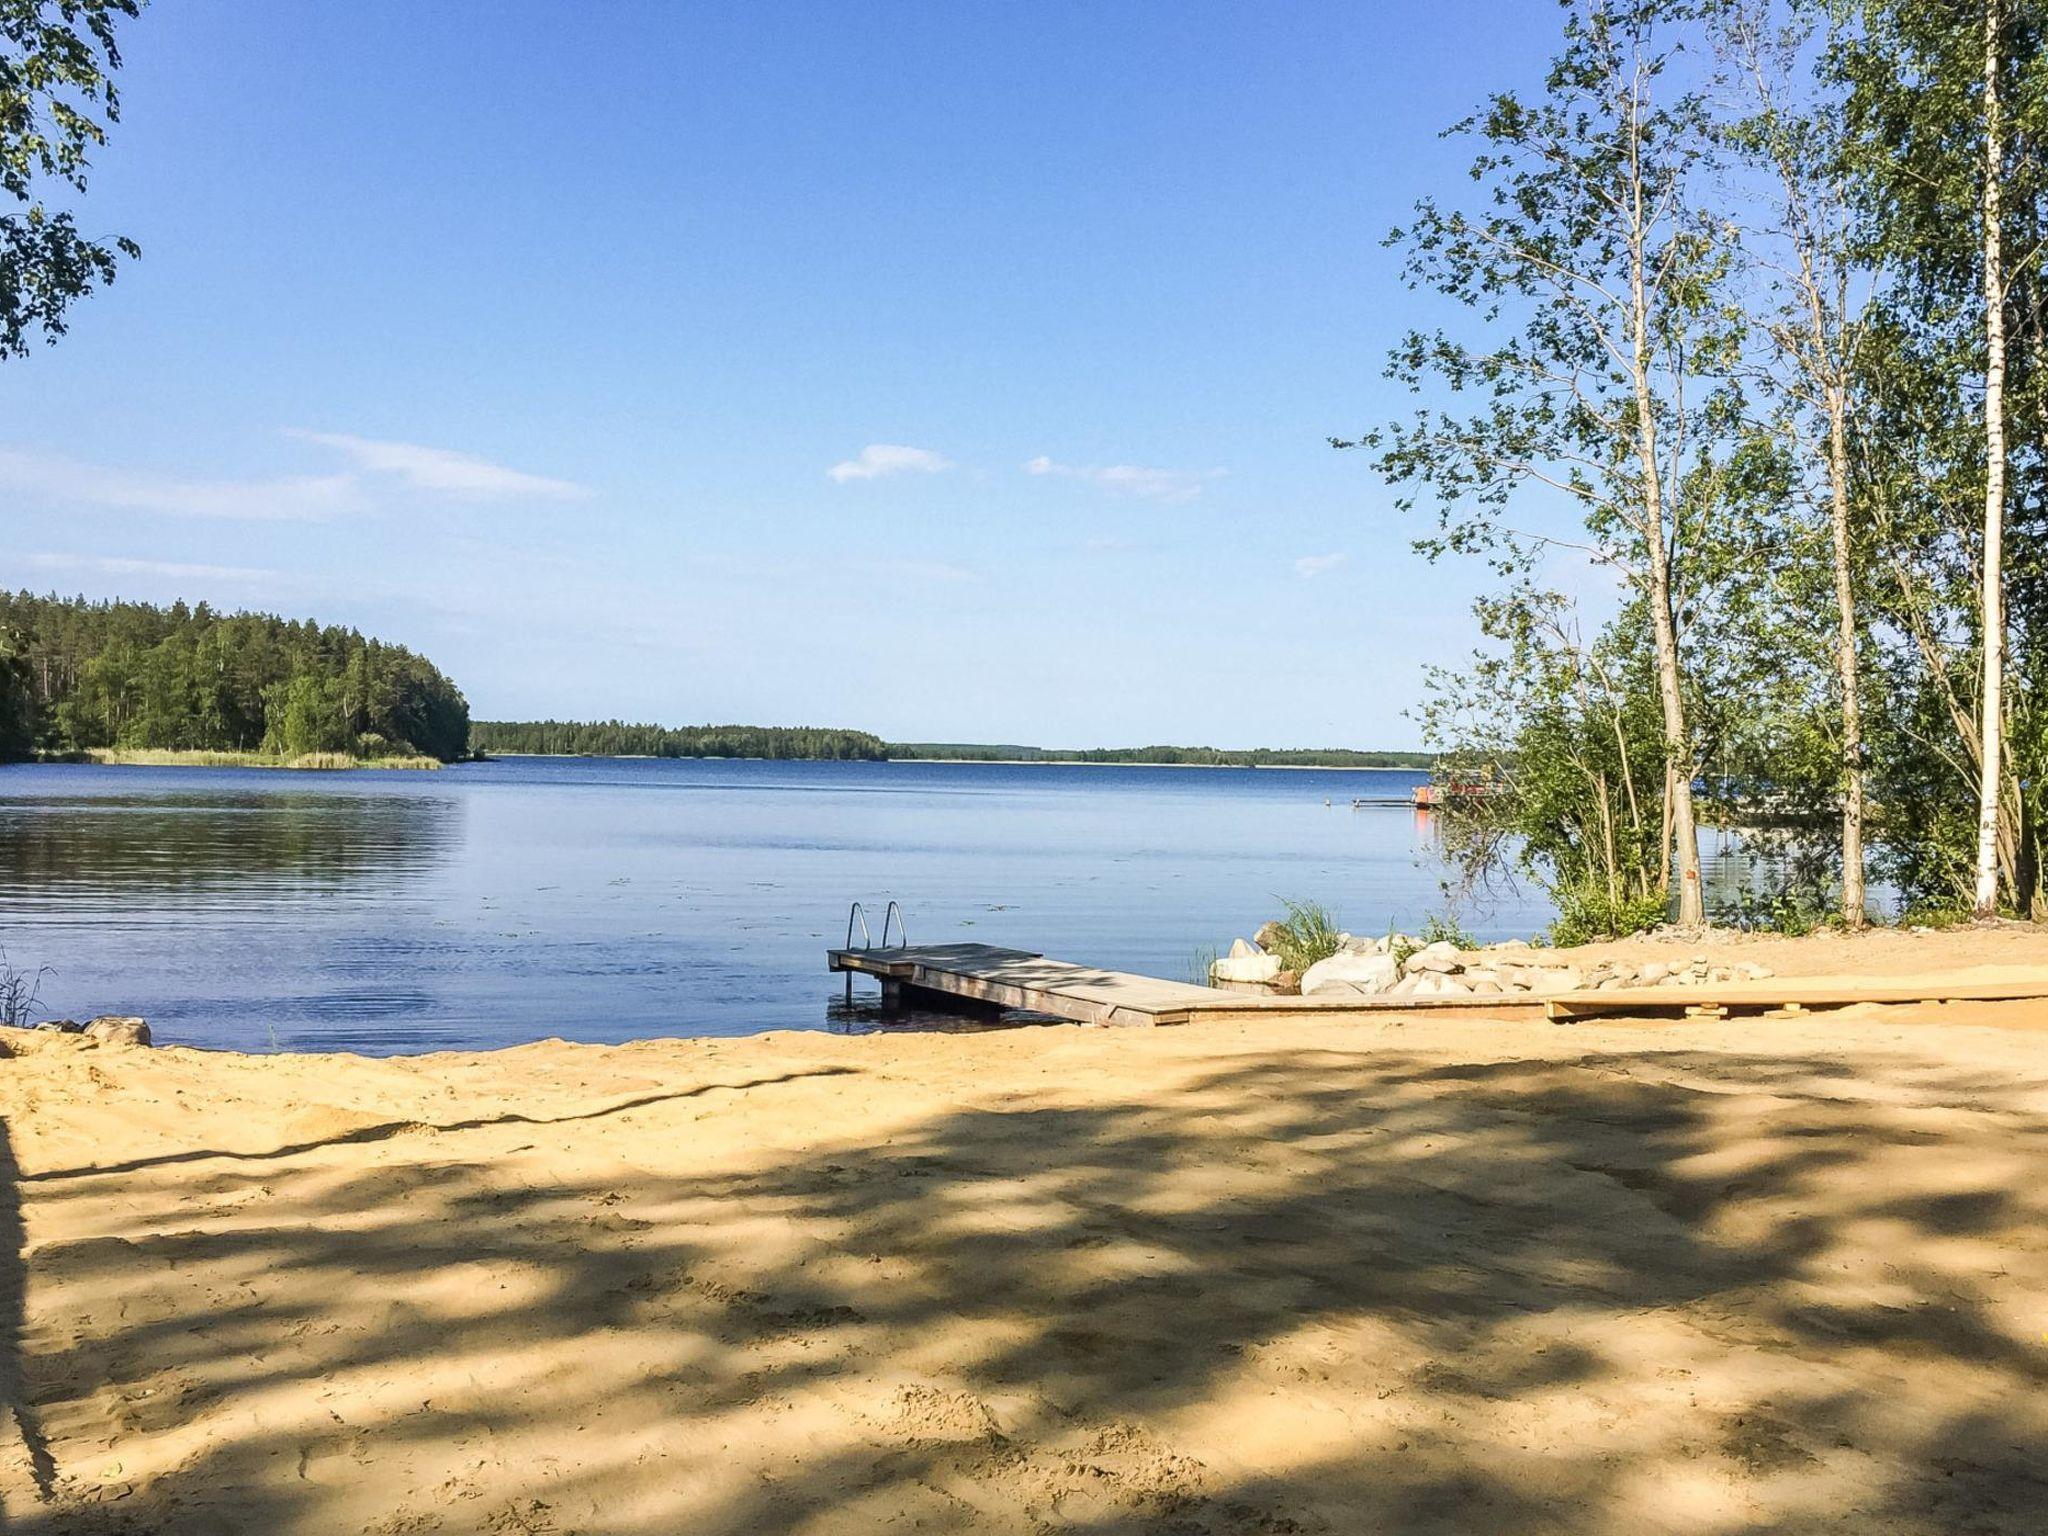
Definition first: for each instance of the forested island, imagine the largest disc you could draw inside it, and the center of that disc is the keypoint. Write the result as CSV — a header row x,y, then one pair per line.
x,y
117,680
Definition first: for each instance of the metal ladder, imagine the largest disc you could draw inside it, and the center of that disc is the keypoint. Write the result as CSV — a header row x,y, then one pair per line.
x,y
892,914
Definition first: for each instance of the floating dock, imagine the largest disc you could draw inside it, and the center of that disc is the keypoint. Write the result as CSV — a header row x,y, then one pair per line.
x,y
983,975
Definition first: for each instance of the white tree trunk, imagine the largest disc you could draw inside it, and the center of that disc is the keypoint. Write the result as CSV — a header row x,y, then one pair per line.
x,y
1991,707
1853,912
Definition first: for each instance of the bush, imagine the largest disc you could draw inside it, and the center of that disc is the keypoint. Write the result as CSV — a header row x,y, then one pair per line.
x,y
1307,934
1446,930
1586,916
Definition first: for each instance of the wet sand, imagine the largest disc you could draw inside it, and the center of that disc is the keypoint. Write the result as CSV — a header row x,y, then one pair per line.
x,y
1780,1275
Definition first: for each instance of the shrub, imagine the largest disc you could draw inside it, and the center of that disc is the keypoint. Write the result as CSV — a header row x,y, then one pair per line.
x,y
1307,934
1446,930
1584,916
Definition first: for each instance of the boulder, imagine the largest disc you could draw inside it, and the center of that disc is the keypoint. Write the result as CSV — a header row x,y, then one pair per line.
x,y
1653,972
1362,944
1436,984
1270,937
1441,956
1240,950
62,1026
1549,980
1249,966
118,1029
1367,973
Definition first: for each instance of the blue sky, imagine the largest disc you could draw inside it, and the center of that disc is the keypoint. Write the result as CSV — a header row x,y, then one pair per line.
x,y
957,372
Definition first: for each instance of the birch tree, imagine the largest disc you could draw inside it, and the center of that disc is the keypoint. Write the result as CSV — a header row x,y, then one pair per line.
x,y
1593,383
1810,322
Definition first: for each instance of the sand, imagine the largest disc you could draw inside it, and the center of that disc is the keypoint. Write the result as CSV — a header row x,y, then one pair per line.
x,y
1422,1276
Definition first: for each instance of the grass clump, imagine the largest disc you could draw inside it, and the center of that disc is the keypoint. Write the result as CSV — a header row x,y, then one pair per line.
x,y
1307,934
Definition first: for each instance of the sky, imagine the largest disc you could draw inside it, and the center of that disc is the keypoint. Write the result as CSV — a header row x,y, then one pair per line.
x,y
955,372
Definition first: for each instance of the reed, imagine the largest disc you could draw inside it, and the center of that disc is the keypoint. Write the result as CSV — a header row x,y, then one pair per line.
x,y
156,757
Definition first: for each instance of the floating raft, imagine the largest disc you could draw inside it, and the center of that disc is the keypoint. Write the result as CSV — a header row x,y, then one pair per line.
x,y
982,974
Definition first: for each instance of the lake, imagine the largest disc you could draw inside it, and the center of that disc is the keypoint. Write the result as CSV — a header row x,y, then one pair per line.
x,y
609,899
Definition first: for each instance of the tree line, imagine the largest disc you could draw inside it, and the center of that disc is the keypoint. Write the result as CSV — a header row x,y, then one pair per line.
x,y
1746,407
77,675
616,738
1202,757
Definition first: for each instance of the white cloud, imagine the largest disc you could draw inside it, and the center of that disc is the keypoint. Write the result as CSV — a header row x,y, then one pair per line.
x,y
879,459
116,565
446,472
291,498
1308,567
1172,486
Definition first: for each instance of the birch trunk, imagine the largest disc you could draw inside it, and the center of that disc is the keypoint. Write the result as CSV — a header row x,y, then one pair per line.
x,y
1991,707
1853,912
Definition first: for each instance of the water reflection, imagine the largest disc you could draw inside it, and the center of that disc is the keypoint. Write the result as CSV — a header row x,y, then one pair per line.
x,y
78,847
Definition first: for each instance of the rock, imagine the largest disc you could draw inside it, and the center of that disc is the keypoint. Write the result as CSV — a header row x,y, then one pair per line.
x,y
1749,970
1363,944
1250,966
1549,981
1436,984
1270,937
1368,973
62,1026
1440,956
118,1029
1653,972
1240,950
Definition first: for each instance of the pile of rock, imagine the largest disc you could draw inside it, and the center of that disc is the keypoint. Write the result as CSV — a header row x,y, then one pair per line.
x,y
112,1028
1399,966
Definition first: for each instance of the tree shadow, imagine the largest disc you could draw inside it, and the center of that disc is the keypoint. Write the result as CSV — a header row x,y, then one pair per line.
x,y
1286,1291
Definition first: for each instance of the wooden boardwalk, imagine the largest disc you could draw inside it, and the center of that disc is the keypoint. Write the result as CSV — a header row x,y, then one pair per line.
x,y
1015,978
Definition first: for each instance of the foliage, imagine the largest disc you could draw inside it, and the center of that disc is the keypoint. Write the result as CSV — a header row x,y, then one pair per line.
x,y
1588,914
1446,930
57,97
17,703
136,676
614,738
1801,326
1307,934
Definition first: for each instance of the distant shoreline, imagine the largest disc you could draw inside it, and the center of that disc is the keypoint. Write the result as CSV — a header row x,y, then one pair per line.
x,y
971,762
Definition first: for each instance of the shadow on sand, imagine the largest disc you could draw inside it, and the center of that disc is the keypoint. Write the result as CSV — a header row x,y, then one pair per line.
x,y
1309,1291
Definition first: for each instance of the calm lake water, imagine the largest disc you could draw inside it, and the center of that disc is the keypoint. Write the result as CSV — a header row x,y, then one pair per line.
x,y
606,899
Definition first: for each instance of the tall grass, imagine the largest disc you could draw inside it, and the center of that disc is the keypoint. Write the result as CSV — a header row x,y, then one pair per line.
x,y
154,757
1307,934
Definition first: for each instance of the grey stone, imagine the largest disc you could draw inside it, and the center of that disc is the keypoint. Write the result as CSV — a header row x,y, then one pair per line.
x,y
62,1026
1368,973
1250,966
118,1029
1440,956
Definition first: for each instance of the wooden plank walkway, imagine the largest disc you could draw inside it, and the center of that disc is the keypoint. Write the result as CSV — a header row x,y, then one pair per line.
x,y
1017,978
1790,995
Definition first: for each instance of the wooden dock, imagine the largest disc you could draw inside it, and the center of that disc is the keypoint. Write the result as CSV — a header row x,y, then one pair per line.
x,y
939,975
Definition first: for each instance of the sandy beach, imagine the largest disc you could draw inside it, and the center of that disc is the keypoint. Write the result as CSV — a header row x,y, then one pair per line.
x,y
1779,1275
